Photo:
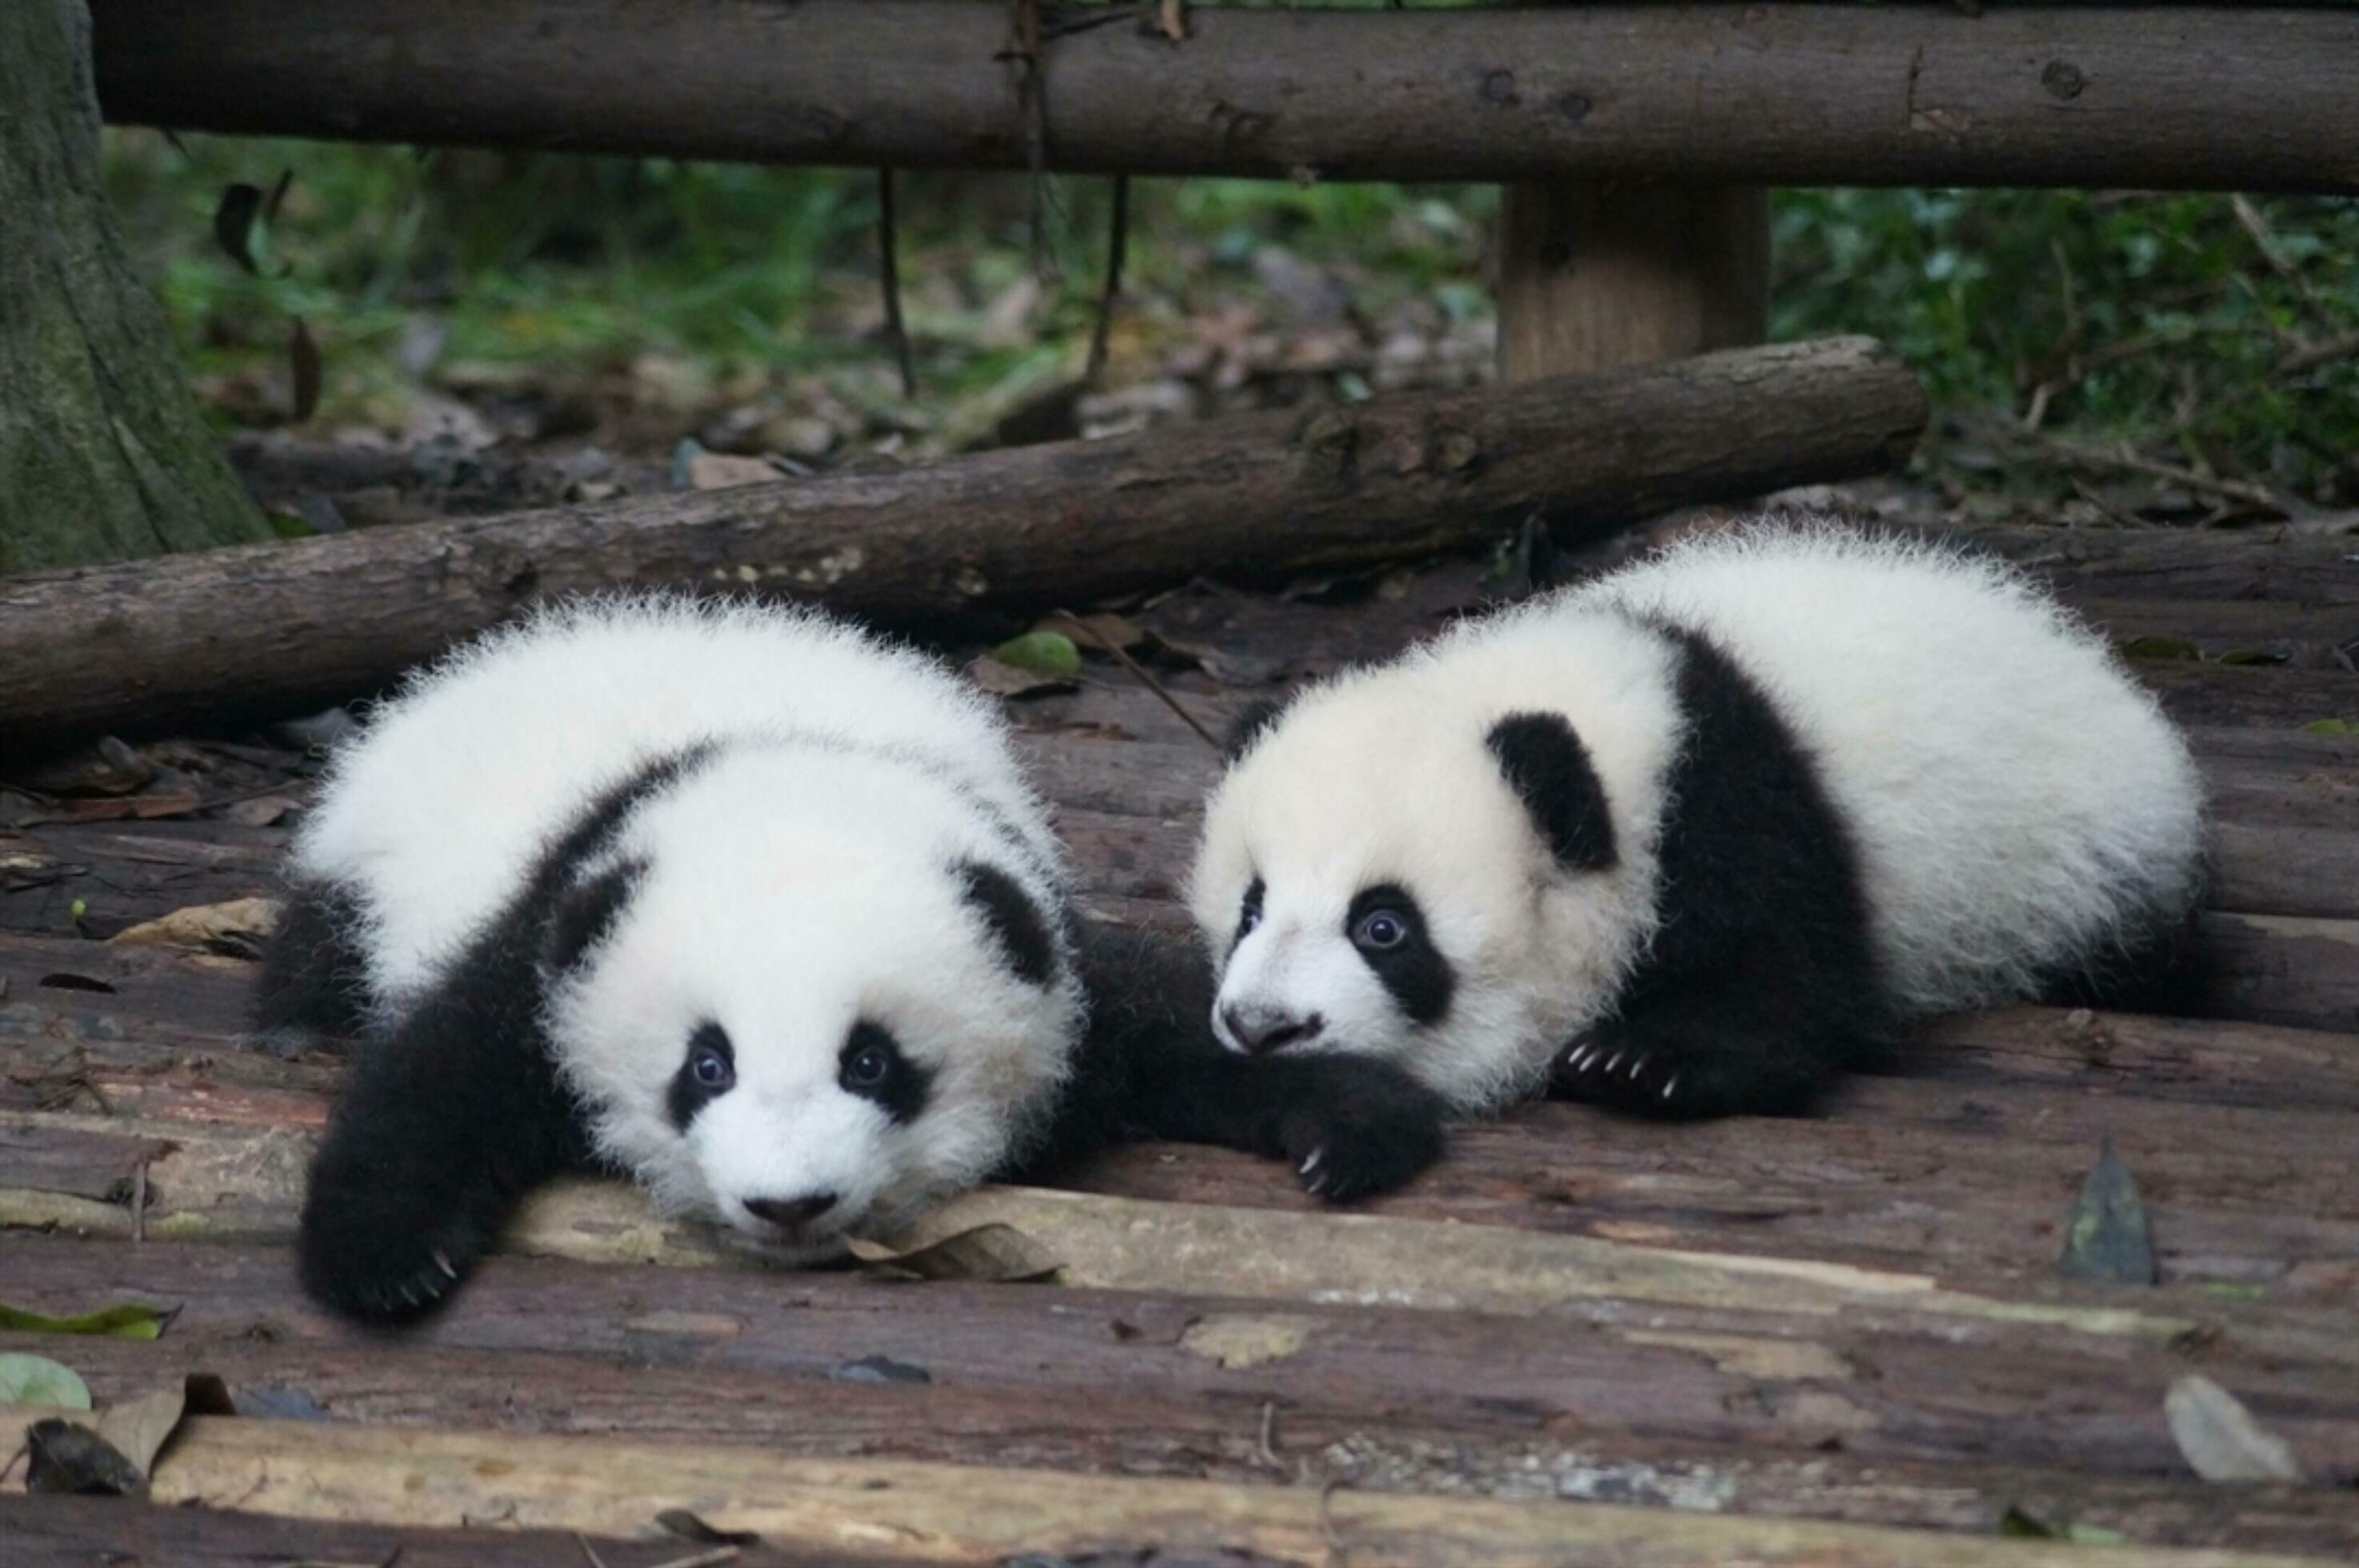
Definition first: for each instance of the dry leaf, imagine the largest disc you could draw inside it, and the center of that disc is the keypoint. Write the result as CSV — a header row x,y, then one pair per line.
x,y
2220,1438
720,470
260,813
237,927
996,1251
1004,679
137,1427
1173,17
2107,1236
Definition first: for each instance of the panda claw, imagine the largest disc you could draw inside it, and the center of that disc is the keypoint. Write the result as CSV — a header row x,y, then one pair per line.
x,y
1312,1164
443,1263
1638,1066
1613,1061
1671,1085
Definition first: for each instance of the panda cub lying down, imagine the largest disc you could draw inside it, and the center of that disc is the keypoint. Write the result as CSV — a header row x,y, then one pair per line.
x,y
1684,840
753,907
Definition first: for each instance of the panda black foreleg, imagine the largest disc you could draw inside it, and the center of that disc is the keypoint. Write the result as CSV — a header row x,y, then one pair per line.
x,y
442,1128
314,980
1150,1068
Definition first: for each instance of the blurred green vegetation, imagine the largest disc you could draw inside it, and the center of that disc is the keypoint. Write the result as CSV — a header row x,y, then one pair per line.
x,y
2175,322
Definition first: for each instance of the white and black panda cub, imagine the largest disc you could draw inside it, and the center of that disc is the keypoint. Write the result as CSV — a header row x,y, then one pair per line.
x,y
747,904
1683,840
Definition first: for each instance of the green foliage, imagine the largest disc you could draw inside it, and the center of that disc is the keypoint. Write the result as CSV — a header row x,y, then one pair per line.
x,y
2160,319
2157,318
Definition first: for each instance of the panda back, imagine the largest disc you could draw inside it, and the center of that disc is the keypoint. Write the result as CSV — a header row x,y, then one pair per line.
x,y
2020,806
455,785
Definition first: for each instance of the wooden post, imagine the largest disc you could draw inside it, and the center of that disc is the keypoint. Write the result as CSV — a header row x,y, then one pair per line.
x,y
1596,278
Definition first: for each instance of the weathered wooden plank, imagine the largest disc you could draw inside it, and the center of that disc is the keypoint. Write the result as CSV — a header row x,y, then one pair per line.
x,y
77,1532
2273,563
1339,1435
2243,1128
867,1509
1884,1369
2284,969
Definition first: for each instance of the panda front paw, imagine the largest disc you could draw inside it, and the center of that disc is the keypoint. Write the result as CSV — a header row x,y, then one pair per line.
x,y
1357,1128
1688,1070
383,1251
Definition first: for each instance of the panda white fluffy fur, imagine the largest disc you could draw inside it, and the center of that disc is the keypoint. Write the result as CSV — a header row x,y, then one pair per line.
x,y
1684,839
747,904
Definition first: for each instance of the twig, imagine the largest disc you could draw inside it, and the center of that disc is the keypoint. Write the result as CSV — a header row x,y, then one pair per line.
x,y
2074,453
702,1559
1139,671
1117,244
588,1551
139,1202
2264,240
1032,103
1268,1455
2327,353
888,270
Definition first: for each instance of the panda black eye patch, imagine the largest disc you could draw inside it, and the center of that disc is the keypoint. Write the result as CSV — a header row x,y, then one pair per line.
x,y
872,1065
1249,913
707,1069
1387,929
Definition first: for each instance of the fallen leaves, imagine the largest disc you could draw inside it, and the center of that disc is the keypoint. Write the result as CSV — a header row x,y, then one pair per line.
x,y
38,1380
128,1319
996,1252
2107,1236
236,928
2219,1437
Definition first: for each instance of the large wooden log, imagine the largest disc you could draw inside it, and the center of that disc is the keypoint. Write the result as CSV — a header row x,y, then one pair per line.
x,y
2228,97
272,626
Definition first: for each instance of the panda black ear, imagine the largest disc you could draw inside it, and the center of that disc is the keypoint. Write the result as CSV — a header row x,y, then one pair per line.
x,y
586,913
1246,729
1014,919
1548,767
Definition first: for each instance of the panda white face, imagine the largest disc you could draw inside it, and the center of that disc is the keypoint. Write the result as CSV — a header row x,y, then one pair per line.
x,y
1412,863
803,1031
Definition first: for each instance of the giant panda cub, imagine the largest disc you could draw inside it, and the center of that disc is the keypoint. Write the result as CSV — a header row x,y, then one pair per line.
x,y
1683,840
751,905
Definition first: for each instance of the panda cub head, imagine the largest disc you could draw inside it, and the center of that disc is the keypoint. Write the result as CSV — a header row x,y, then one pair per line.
x,y
1433,862
806,988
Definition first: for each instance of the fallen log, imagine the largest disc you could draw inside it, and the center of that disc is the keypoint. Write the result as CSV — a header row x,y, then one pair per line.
x,y
274,626
2220,97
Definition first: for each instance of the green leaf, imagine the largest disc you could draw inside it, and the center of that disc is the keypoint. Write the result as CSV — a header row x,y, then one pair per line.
x,y
2160,648
2330,726
129,1320
38,1380
2107,1236
1041,653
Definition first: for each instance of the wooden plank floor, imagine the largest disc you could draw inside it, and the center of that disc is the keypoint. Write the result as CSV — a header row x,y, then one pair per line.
x,y
1580,1340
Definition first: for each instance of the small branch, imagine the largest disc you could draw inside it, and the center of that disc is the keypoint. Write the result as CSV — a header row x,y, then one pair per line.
x,y
1032,105
1117,244
888,269
1139,672
2264,240
2075,454
2301,361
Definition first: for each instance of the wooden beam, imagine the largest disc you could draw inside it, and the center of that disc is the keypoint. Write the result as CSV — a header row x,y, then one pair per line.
x,y
1594,277
2227,97
278,625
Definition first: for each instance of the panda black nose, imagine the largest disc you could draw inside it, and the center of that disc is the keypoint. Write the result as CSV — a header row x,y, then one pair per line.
x,y
790,1213
1261,1029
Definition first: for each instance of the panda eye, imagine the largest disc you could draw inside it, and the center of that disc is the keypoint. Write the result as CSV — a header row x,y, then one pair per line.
x,y
868,1067
1249,915
712,1069
1381,930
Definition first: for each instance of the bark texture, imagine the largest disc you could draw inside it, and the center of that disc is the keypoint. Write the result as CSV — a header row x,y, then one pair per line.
x,y
1017,530
2223,97
103,453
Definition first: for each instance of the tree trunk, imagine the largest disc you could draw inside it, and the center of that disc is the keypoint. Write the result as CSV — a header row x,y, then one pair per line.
x,y
103,453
